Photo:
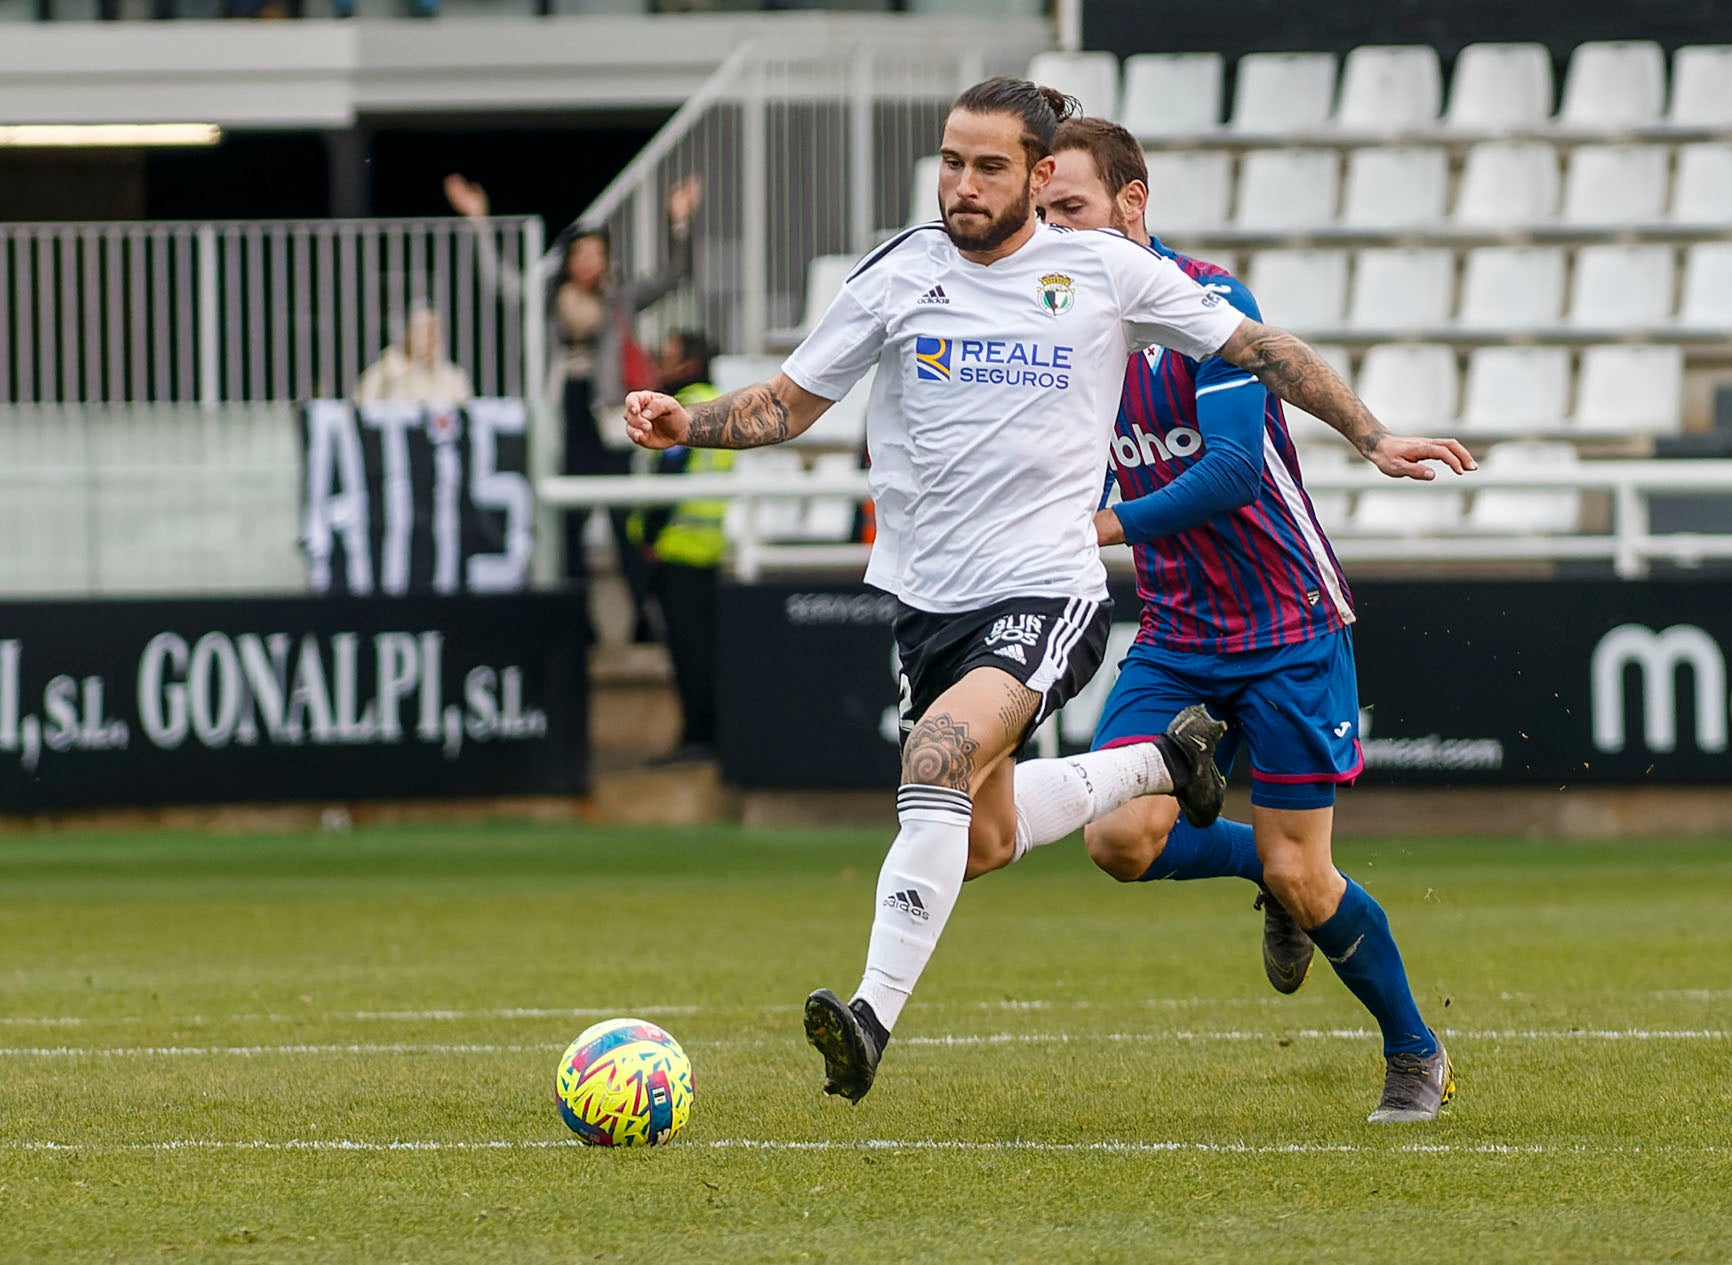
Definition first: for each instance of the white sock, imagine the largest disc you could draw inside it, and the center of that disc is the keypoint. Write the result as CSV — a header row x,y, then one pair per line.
x,y
1056,797
917,889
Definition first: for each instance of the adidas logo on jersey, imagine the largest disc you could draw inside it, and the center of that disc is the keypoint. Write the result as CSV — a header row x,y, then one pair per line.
x,y
934,295
908,902
1013,652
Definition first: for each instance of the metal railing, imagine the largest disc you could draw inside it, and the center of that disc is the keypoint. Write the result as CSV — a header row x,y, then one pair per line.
x,y
803,152
252,311
1630,544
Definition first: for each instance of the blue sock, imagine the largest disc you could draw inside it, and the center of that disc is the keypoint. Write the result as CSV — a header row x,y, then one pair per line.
x,y
1356,940
1223,849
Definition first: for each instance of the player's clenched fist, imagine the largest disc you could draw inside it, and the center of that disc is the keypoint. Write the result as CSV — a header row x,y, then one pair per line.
x,y
654,420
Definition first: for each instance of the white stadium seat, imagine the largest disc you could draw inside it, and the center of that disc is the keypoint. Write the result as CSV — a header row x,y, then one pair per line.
x,y
1387,88
844,422
1513,390
1401,288
1287,188
1508,183
1301,289
1614,83
1623,286
1092,78
1702,86
1395,187
1410,385
1435,511
923,192
824,278
1616,184
1188,190
1172,94
1631,390
1500,86
1333,508
1707,287
781,518
830,518
730,373
1512,287
1526,511
1703,194
1283,92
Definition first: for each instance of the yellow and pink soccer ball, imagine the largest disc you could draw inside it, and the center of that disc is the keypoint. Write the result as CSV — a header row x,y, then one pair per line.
x,y
624,1082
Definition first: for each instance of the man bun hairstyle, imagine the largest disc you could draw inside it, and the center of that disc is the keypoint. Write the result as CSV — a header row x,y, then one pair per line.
x,y
1117,157
1040,109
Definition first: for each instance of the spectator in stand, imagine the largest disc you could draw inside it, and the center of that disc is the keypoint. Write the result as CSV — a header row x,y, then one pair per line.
x,y
594,311
417,370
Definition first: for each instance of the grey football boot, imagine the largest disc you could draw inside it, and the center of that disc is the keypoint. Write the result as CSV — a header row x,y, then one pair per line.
x,y
1189,749
851,1051
1414,1088
1287,950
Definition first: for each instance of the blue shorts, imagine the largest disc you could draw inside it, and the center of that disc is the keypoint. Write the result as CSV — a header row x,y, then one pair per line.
x,y
1294,709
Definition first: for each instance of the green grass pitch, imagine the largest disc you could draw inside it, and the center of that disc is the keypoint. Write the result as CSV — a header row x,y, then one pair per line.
x,y
341,1048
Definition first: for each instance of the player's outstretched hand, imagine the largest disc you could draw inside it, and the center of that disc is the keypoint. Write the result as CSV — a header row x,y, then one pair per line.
x,y
1399,456
654,420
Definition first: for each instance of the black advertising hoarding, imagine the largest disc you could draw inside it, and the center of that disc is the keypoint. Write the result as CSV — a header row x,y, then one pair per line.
x,y
280,699
400,498
1548,683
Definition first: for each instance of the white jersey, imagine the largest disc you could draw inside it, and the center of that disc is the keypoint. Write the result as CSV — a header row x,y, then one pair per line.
x,y
998,384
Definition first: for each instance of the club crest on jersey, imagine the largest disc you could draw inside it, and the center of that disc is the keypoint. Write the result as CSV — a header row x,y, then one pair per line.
x,y
1057,293
932,359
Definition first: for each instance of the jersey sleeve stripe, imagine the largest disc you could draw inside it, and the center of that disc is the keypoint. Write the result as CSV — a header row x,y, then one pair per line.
x,y
1224,386
891,245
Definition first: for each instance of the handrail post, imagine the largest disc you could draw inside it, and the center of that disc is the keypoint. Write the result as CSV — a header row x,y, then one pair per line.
x,y
1630,525
209,322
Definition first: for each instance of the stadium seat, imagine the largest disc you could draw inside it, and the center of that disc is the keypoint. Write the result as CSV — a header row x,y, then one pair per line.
x,y
1702,86
1387,88
1629,390
830,518
1287,188
1703,194
1171,94
1526,511
1402,288
1623,286
1092,78
923,192
1283,92
1410,385
1512,287
1500,86
1302,289
1613,83
1395,187
1334,509
1616,184
778,519
844,422
1188,190
824,278
730,373
1508,183
1707,287
1435,511
1516,390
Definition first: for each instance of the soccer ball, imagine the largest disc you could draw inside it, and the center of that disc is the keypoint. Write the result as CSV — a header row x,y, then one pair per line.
x,y
624,1082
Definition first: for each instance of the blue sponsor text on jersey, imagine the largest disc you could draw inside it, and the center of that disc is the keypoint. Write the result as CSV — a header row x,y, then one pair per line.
x,y
993,362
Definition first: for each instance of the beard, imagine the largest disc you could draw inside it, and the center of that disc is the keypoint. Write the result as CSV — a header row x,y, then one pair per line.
x,y
996,231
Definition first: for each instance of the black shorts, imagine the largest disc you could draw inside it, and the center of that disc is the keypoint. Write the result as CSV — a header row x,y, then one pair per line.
x,y
1053,645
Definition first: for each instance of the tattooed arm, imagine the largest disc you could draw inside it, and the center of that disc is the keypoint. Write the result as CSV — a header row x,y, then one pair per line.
x,y
1293,370
751,417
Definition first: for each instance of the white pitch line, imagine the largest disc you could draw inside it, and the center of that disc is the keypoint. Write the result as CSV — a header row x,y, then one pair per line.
x,y
962,1039
875,1144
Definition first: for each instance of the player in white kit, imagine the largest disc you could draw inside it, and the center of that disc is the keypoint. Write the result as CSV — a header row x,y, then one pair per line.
x,y
1000,345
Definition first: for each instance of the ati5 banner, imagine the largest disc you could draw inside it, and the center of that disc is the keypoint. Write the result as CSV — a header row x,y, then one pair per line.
x,y
1555,683
415,498
181,702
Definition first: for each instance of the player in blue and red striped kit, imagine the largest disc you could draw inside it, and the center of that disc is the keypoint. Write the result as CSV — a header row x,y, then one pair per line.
x,y
1246,610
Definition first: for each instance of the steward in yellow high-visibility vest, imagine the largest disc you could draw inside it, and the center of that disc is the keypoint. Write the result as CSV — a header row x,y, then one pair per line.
x,y
687,555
